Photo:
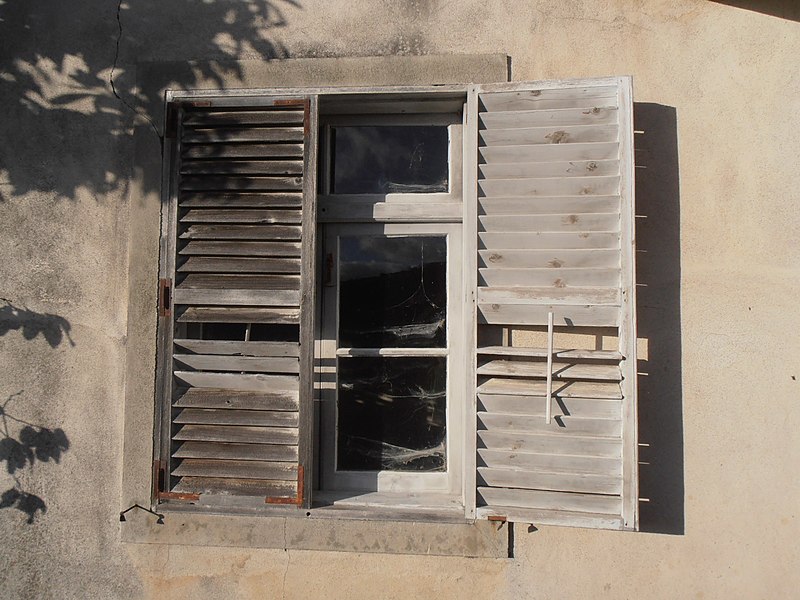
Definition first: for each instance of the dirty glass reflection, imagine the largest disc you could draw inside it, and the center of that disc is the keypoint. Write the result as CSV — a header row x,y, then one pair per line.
x,y
382,159
391,414
393,292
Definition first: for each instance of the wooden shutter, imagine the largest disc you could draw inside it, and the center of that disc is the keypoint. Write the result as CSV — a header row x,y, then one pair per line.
x,y
236,339
552,222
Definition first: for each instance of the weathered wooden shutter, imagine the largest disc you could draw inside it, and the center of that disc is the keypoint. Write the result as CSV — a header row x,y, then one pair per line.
x,y
236,339
552,219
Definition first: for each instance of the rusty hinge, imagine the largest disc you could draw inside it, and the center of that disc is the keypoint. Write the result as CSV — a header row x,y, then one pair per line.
x,y
164,297
160,484
305,103
158,478
290,102
178,496
297,500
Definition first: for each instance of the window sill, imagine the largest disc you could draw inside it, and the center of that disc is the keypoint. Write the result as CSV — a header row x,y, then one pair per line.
x,y
329,528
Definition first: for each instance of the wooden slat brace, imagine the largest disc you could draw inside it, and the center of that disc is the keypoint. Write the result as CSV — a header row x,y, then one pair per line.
x,y
297,500
549,390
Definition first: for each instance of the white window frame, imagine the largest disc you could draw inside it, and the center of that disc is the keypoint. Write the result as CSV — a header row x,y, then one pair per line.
x,y
395,214
386,483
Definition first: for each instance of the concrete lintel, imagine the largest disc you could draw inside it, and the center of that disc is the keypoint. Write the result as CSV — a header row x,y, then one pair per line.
x,y
156,77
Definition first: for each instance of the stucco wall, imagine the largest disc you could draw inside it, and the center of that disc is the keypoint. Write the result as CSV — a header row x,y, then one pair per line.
x,y
716,87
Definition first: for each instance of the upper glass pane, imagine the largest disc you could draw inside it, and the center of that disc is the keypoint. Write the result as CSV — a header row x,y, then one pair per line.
x,y
392,291
383,159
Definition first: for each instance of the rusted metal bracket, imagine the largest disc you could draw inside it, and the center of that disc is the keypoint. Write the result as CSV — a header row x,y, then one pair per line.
x,y
290,102
297,500
500,520
164,297
178,496
305,103
158,478
159,516
159,482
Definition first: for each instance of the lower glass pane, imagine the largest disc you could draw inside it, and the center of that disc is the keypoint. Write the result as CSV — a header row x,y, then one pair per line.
x,y
391,414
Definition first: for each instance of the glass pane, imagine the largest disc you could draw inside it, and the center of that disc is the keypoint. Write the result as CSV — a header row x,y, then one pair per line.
x,y
392,414
392,291
381,159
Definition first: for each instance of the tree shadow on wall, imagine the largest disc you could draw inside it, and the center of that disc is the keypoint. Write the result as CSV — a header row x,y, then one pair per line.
x,y
53,328
658,275
67,86
31,444
24,444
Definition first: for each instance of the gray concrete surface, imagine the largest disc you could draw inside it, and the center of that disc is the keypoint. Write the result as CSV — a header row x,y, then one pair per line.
x,y
716,86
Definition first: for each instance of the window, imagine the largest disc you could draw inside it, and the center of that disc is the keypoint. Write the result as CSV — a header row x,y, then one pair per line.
x,y
383,297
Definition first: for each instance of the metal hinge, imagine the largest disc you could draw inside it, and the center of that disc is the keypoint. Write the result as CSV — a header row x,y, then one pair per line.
x,y
297,500
164,297
160,484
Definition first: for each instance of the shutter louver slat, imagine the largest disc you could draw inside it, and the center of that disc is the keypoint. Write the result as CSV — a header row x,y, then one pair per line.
x,y
242,241
554,231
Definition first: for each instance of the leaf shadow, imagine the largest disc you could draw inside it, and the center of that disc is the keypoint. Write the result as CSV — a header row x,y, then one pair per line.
x,y
53,328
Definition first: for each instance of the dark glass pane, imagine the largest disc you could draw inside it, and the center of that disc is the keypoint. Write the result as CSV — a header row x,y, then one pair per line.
x,y
393,292
260,332
223,331
381,159
392,414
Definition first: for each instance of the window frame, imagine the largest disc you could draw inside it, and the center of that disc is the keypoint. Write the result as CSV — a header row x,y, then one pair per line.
x,y
434,485
253,97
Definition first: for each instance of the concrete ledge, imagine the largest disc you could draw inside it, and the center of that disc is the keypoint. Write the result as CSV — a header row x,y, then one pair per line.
x,y
479,539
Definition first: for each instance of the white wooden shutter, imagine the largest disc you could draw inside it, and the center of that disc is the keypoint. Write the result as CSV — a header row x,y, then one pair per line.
x,y
551,220
238,251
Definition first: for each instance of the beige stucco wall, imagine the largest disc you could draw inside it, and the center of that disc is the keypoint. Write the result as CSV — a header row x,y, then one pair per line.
x,y
720,404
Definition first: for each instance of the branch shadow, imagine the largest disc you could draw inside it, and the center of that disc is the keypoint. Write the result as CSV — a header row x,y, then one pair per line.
x,y
658,271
